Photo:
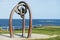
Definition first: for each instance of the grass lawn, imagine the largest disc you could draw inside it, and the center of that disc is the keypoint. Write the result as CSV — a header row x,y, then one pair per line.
x,y
49,30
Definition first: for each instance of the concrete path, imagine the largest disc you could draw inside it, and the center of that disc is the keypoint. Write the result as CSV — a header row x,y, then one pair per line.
x,y
18,36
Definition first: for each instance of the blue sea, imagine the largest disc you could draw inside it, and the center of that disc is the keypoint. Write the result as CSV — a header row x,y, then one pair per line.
x,y
17,23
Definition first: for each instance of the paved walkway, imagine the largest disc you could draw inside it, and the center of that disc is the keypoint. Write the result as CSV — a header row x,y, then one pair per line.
x,y
19,37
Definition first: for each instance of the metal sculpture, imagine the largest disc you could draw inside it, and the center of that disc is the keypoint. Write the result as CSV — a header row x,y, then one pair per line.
x,y
21,9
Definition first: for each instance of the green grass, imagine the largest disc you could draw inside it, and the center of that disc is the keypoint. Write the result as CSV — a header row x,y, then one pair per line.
x,y
50,30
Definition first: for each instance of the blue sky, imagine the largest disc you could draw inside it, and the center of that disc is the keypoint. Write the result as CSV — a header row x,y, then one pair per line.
x,y
41,9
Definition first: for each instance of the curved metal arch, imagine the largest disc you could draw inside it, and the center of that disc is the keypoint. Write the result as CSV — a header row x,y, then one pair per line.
x,y
30,19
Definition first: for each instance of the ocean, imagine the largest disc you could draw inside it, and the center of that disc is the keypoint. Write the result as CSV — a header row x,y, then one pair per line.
x,y
17,23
